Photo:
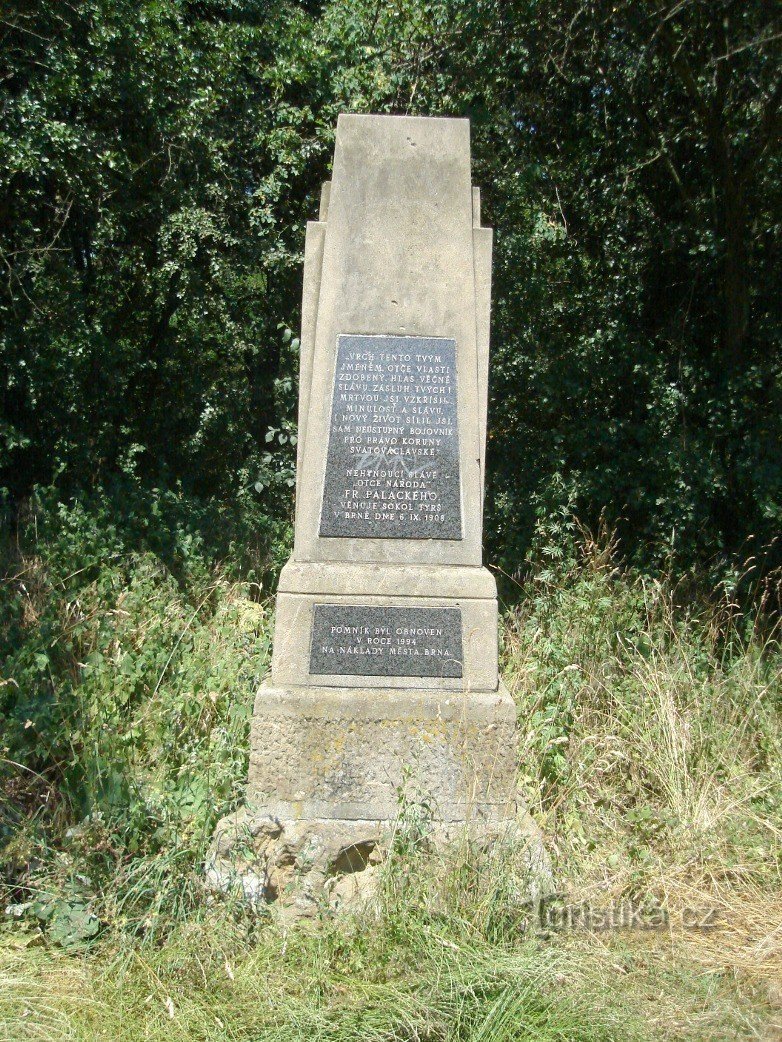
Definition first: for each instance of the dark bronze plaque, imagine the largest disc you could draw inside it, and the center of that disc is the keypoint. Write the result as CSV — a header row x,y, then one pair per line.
x,y
381,641
392,469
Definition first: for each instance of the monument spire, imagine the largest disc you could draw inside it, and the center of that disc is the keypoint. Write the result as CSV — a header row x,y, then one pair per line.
x,y
384,666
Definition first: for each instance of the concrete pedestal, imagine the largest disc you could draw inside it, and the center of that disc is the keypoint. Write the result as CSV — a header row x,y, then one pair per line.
x,y
351,755
333,774
384,698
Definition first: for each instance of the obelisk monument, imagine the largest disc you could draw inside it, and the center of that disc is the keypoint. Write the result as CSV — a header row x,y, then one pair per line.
x,y
384,670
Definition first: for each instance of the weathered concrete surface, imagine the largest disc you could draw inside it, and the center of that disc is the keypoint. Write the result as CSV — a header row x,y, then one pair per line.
x,y
293,629
398,258
302,585
398,580
347,753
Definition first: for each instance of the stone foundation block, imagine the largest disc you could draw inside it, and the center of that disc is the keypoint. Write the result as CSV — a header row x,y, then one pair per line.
x,y
360,754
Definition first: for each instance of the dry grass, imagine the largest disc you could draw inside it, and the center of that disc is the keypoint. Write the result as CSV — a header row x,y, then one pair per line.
x,y
651,755
653,751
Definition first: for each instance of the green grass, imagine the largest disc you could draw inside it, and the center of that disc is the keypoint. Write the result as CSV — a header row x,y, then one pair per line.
x,y
404,976
651,759
374,981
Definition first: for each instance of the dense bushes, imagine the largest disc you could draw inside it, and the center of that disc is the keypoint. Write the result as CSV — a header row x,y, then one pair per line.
x,y
159,162
127,685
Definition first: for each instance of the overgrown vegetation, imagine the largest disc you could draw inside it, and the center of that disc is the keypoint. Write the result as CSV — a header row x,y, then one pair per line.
x,y
125,705
158,162
651,757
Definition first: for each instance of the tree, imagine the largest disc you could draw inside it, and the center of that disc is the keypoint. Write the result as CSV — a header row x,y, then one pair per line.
x,y
159,161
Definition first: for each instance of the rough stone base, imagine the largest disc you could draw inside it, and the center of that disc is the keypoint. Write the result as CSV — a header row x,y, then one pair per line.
x,y
336,774
299,864
312,866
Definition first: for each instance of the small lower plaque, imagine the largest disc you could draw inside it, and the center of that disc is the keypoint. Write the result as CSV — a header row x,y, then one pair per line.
x,y
381,641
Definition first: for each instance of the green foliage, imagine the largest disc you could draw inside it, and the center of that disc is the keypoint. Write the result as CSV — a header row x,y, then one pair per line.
x,y
157,169
125,701
627,159
159,161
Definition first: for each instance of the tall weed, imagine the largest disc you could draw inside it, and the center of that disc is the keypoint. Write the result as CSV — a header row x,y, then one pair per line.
x,y
650,729
127,689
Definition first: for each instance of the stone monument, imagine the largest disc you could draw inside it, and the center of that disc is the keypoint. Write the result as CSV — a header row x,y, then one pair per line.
x,y
384,671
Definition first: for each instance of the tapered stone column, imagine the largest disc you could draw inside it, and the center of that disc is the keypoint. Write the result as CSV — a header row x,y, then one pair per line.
x,y
384,671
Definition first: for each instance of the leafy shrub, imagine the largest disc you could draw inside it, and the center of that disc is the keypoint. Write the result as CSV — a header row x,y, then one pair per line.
x,y
127,688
